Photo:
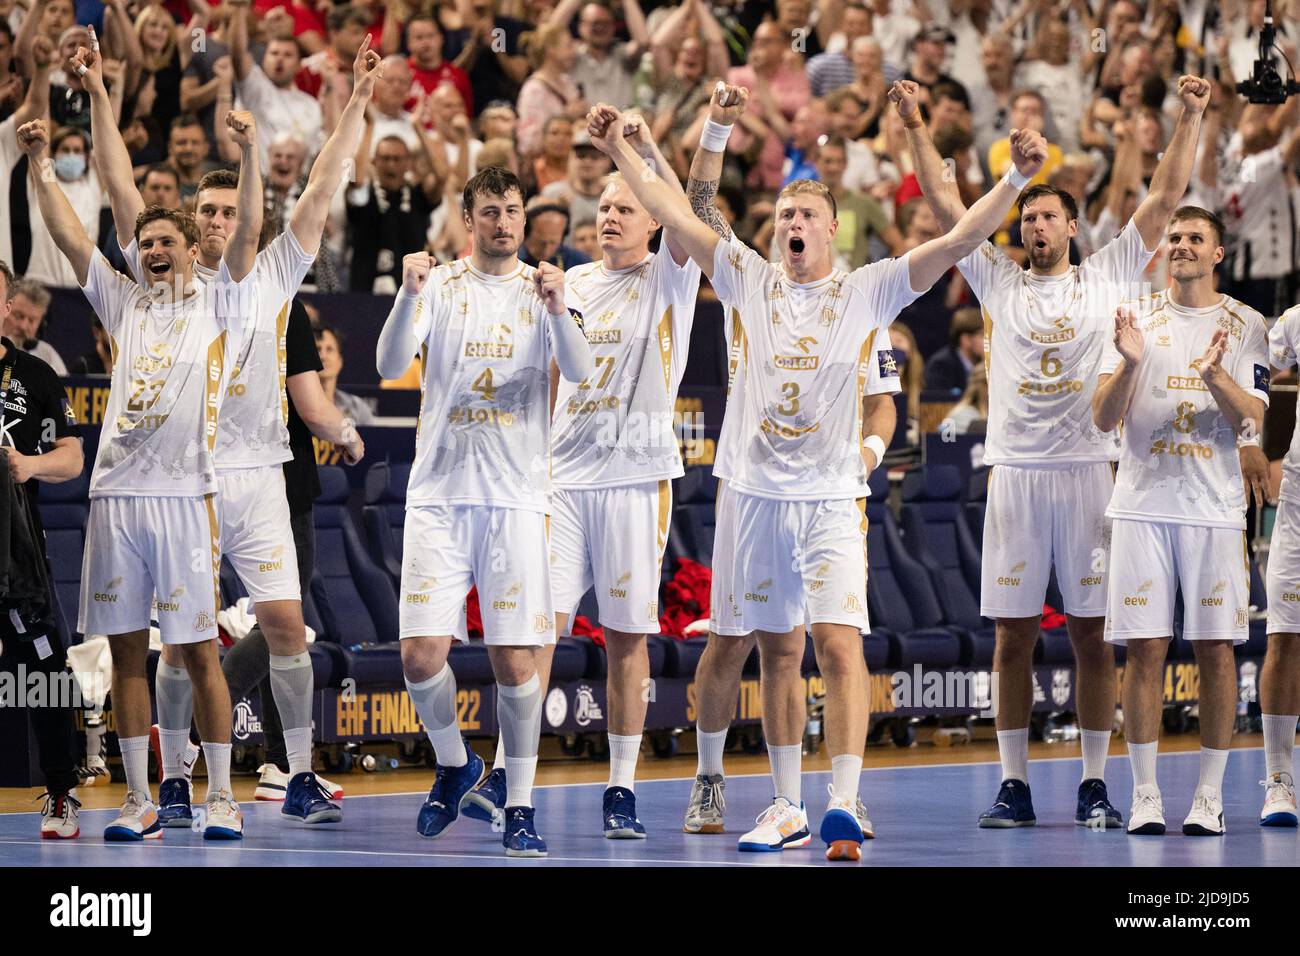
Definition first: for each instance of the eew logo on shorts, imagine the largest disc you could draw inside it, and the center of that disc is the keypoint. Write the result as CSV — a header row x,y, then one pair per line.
x,y
75,910
1010,579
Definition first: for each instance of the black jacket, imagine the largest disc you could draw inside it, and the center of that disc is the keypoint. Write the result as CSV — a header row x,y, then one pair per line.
x,y
945,370
24,577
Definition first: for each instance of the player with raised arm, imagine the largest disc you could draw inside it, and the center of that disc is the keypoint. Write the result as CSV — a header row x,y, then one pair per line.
x,y
153,525
718,676
486,328
1187,373
790,539
252,441
1045,331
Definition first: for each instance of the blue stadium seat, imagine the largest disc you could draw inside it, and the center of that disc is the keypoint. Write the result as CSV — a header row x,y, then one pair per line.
x,y
695,494
384,514
1257,645
977,500
936,534
681,658
901,603
355,597
64,508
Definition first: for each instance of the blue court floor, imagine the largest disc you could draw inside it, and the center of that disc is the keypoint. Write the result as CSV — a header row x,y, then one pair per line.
x,y
924,816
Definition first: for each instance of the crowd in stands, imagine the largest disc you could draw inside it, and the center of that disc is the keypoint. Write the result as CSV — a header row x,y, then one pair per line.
x,y
471,83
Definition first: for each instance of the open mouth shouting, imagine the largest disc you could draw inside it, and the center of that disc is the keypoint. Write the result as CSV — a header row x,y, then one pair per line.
x,y
796,246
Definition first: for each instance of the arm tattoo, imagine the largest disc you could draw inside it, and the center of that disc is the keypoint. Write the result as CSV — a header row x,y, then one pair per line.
x,y
701,194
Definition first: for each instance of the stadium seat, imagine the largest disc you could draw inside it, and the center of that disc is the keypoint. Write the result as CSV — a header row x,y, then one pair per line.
x,y
384,514
695,494
64,508
355,597
936,534
977,500
681,658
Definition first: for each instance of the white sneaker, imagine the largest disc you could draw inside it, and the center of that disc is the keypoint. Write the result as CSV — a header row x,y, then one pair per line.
x,y
841,828
780,826
137,821
1146,817
59,816
273,784
92,771
223,819
868,833
1206,818
707,805
1279,801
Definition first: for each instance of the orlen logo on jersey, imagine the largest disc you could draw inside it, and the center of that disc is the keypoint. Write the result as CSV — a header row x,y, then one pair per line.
x,y
1186,383
799,363
1053,338
500,346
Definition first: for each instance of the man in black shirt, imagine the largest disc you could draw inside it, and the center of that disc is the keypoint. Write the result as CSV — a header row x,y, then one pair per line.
x,y
487,49
37,441
388,215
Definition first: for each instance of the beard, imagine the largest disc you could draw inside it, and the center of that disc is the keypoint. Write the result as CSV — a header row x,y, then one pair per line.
x,y
1049,256
489,248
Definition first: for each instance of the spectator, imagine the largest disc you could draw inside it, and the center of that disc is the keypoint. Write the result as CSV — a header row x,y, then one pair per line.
x,y
830,71
844,112
991,99
895,29
269,90
869,86
166,50
99,360
210,71
971,412
453,130
778,88
35,103
929,50
949,369
498,120
588,167
681,60
69,101
286,178
928,316
499,152
552,165
971,23
346,25
862,222
25,324
908,359
72,166
544,238
808,128
681,95
388,215
605,68
329,345
585,239
387,113
11,84
486,47
187,153
1055,77
550,90
161,186
425,41
1028,111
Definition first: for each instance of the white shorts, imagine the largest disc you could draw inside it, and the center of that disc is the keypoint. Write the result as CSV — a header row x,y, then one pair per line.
x,y
1037,517
612,538
139,547
1283,578
448,548
255,532
1150,559
781,565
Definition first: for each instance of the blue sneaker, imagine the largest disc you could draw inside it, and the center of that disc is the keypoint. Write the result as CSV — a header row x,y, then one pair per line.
x,y
1094,805
618,807
521,837
443,806
488,799
307,800
1013,808
174,804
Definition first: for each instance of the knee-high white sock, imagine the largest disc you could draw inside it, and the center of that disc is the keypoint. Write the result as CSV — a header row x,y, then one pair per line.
x,y
787,771
1013,749
435,702
623,754
1213,763
710,748
1279,743
1142,758
519,712
499,761
846,770
175,698
292,683
217,757
1096,745
135,759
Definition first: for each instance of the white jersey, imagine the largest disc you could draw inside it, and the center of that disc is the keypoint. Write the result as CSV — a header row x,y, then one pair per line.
x,y
1283,345
1179,460
616,427
169,374
254,427
1258,214
800,355
484,431
1043,341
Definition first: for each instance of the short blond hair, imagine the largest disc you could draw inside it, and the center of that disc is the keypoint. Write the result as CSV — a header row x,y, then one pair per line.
x,y
800,186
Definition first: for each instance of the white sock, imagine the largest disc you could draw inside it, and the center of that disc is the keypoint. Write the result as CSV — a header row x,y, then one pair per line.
x,y
787,771
520,772
174,744
623,753
217,757
499,761
1213,763
435,702
1142,759
1096,745
519,714
846,769
710,748
1013,749
135,758
192,751
1279,743
297,744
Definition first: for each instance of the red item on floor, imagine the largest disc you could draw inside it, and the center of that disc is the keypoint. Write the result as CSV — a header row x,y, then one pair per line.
x,y
686,598
1052,618
581,627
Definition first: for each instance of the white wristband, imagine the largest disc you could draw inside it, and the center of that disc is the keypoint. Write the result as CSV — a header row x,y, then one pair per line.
x,y
876,446
1256,440
714,136
1014,178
